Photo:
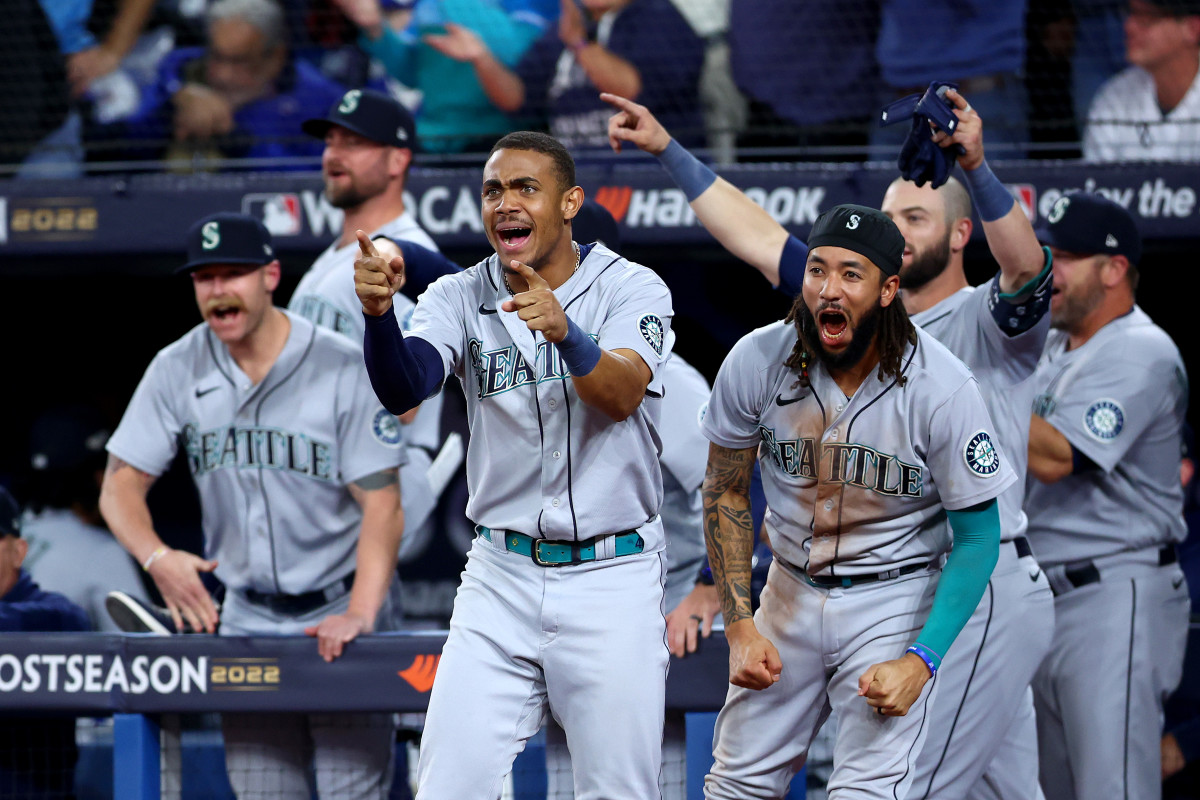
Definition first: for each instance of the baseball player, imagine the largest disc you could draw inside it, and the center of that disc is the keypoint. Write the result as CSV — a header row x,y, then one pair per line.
x,y
369,140
556,344
684,450
875,446
1105,512
296,466
984,732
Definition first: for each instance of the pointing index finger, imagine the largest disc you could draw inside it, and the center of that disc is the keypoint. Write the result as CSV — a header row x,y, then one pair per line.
x,y
532,279
365,244
616,101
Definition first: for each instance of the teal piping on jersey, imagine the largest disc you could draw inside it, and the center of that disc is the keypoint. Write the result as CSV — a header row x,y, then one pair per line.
x,y
1022,294
965,576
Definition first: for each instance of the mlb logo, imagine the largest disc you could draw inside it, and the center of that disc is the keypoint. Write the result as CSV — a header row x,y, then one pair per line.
x,y
279,212
1026,197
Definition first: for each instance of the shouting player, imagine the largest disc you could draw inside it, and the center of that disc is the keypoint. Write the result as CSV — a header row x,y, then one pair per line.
x,y
984,732
296,466
556,344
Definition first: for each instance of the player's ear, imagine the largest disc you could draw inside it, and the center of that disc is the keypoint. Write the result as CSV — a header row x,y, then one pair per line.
x,y
271,274
960,234
399,159
887,292
1113,271
572,201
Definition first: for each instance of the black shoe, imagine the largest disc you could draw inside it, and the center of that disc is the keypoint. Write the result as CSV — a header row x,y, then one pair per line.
x,y
134,616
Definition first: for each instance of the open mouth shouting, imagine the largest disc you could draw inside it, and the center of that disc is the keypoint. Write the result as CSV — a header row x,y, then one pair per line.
x,y
512,236
832,325
223,312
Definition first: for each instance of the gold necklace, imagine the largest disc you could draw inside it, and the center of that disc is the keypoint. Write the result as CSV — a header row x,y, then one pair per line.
x,y
504,272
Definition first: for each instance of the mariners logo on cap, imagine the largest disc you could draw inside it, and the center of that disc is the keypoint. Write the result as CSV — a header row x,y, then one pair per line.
x,y
981,455
210,235
652,331
350,101
386,428
1104,419
1059,208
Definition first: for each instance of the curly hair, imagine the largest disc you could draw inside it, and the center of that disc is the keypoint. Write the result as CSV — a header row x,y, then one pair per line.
x,y
893,335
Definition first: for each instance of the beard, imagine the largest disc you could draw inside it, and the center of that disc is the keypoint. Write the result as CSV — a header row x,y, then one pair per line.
x,y
861,336
1078,305
927,265
350,197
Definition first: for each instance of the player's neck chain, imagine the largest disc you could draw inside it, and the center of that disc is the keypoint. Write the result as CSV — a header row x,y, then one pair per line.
x,y
504,273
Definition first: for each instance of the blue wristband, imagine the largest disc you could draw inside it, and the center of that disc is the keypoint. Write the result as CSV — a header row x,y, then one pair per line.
x,y
686,170
578,351
931,659
989,194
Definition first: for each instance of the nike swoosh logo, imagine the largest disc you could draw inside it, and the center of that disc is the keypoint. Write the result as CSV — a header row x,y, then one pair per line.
x,y
483,310
779,401
1175,584
201,392
1033,576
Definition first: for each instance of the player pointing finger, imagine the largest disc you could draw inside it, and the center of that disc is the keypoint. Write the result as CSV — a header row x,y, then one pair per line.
x,y
537,305
634,123
376,278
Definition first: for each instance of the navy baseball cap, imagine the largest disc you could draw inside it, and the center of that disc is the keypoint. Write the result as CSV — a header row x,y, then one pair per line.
x,y
370,113
864,230
1090,224
63,439
10,514
228,238
594,223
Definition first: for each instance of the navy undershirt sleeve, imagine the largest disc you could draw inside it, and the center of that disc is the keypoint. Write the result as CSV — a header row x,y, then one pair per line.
x,y
791,266
403,371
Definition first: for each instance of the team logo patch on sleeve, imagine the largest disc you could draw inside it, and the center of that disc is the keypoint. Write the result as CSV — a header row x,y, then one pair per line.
x,y
386,427
981,456
1104,419
652,331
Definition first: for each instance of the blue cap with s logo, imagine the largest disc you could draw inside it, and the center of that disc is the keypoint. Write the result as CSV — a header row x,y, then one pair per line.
x,y
228,238
369,113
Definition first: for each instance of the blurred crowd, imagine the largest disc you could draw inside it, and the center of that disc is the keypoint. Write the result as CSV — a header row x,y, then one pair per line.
x,y
198,83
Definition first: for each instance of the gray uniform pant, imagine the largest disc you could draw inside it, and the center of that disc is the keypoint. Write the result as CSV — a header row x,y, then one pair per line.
x,y
982,741
1117,654
826,638
587,642
282,755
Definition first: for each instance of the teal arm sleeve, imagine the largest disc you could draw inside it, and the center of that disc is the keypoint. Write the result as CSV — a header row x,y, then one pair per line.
x,y
965,576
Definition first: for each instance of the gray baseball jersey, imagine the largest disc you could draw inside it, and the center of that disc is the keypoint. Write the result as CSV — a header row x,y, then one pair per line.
x,y
968,324
59,542
1120,400
271,461
684,455
326,296
540,460
988,738
858,485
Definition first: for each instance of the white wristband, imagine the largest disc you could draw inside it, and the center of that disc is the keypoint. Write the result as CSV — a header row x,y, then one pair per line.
x,y
158,553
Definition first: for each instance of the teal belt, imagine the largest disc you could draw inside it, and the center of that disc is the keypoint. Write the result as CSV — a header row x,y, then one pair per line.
x,y
550,553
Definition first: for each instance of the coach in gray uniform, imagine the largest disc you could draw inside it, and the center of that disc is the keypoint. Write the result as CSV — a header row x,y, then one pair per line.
x,y
295,463
983,734
557,345
1105,509
369,141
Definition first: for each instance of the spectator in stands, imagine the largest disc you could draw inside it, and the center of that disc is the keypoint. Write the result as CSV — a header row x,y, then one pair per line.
x,y
1099,50
242,95
1151,111
980,44
642,49
799,101
33,81
455,114
70,550
37,754
59,154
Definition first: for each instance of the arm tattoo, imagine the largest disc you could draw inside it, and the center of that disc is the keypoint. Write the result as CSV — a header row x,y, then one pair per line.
x,y
728,527
378,480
